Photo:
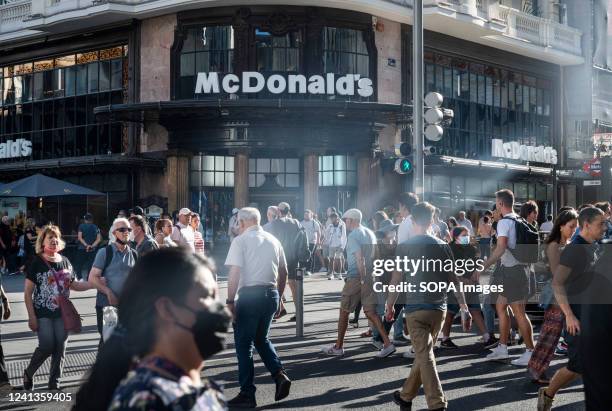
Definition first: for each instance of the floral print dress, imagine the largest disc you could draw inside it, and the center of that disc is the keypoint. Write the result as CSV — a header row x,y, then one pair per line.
x,y
158,384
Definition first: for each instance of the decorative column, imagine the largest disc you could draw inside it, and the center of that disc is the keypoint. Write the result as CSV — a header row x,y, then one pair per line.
x,y
241,179
311,182
178,179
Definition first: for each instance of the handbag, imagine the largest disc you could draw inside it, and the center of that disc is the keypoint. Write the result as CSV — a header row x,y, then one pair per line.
x,y
70,316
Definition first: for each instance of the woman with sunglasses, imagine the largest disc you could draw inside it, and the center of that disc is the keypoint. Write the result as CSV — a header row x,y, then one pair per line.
x,y
111,268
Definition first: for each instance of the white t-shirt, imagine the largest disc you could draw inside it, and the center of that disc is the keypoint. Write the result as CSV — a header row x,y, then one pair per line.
x,y
183,235
313,230
505,228
547,226
404,231
259,255
336,236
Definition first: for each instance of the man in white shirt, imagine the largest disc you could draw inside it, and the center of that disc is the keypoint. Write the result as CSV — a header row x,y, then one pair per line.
x,y
515,277
313,232
335,235
548,225
464,222
406,202
182,233
258,274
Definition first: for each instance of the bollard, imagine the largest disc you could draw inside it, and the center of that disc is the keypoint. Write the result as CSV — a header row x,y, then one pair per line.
x,y
299,303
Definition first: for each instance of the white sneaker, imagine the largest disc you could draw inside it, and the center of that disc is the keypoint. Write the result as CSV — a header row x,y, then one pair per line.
x,y
332,350
409,353
386,351
498,353
523,360
378,344
308,273
330,277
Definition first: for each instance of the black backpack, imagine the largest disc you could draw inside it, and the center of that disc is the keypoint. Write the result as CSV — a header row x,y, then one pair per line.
x,y
527,241
302,252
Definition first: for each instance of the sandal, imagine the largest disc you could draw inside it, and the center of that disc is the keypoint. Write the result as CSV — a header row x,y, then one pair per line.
x,y
366,334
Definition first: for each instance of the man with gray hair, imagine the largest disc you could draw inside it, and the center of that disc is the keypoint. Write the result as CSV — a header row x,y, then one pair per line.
x,y
271,214
258,274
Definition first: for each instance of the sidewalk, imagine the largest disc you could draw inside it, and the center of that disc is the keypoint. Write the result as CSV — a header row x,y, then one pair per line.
x,y
357,381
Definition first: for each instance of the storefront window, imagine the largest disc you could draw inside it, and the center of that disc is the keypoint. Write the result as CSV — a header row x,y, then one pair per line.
x,y
286,172
212,171
205,49
337,171
50,102
278,54
345,52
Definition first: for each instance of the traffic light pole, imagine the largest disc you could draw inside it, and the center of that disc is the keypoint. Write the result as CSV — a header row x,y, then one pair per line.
x,y
417,97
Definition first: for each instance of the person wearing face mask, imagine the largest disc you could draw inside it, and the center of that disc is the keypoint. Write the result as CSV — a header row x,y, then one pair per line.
x,y
257,274
464,251
48,275
143,243
111,268
169,325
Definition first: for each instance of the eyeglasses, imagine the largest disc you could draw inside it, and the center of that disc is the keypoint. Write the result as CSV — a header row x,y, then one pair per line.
x,y
124,229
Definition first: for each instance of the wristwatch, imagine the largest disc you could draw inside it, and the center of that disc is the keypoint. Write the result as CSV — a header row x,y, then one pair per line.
x,y
228,302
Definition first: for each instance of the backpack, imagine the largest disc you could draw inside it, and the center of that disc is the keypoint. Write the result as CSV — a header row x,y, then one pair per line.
x,y
527,250
109,256
302,252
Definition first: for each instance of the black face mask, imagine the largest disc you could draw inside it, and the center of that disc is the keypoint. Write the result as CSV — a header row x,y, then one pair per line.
x,y
209,329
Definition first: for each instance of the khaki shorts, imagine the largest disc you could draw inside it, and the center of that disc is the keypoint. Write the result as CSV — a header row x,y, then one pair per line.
x,y
354,292
335,252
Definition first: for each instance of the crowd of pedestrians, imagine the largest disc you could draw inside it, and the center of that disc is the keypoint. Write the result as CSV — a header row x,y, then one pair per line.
x,y
169,324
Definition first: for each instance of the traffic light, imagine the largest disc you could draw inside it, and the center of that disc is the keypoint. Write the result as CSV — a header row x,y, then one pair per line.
x,y
403,165
436,116
430,150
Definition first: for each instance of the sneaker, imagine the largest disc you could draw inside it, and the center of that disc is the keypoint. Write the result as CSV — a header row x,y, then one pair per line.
x,y
386,351
498,353
377,344
404,405
448,343
354,323
523,360
242,400
292,319
330,277
308,273
491,343
332,350
544,401
282,313
561,348
401,340
283,384
409,353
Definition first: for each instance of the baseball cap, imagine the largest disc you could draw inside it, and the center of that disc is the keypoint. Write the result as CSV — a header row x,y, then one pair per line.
x,y
284,206
386,225
185,211
235,211
353,214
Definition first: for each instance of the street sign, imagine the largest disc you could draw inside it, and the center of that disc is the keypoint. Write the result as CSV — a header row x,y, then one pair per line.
x,y
593,167
588,183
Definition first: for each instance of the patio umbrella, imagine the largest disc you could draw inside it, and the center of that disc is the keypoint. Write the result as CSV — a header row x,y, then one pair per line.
x,y
40,185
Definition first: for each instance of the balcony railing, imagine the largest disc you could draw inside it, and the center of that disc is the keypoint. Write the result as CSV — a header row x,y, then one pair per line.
x,y
537,30
511,22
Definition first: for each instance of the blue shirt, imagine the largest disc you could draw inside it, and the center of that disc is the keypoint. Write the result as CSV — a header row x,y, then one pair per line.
x,y
116,272
361,239
89,232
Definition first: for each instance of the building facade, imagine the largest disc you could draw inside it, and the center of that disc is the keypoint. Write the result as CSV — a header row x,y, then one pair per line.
x,y
193,103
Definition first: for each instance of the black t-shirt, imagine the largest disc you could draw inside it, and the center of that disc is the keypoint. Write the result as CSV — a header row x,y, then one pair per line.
x,y
29,245
46,290
579,256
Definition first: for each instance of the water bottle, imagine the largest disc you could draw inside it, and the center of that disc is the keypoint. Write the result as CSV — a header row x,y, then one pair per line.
x,y
466,320
109,321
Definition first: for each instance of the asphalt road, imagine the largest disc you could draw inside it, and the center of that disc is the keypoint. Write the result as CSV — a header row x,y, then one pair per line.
x,y
356,381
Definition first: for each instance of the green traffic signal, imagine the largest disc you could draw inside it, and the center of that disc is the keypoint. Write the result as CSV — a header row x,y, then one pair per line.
x,y
403,166
406,165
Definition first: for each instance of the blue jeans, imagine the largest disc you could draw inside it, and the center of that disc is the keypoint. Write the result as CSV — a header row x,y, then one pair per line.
x,y
489,318
254,311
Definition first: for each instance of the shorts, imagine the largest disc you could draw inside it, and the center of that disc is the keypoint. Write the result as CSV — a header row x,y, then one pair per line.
x,y
354,293
574,362
291,271
334,252
325,250
454,308
516,283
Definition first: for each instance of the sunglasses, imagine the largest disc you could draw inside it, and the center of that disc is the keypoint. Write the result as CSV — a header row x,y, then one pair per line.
x,y
124,229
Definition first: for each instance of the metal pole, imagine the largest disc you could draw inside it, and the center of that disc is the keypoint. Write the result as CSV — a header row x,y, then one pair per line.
x,y
417,96
299,303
